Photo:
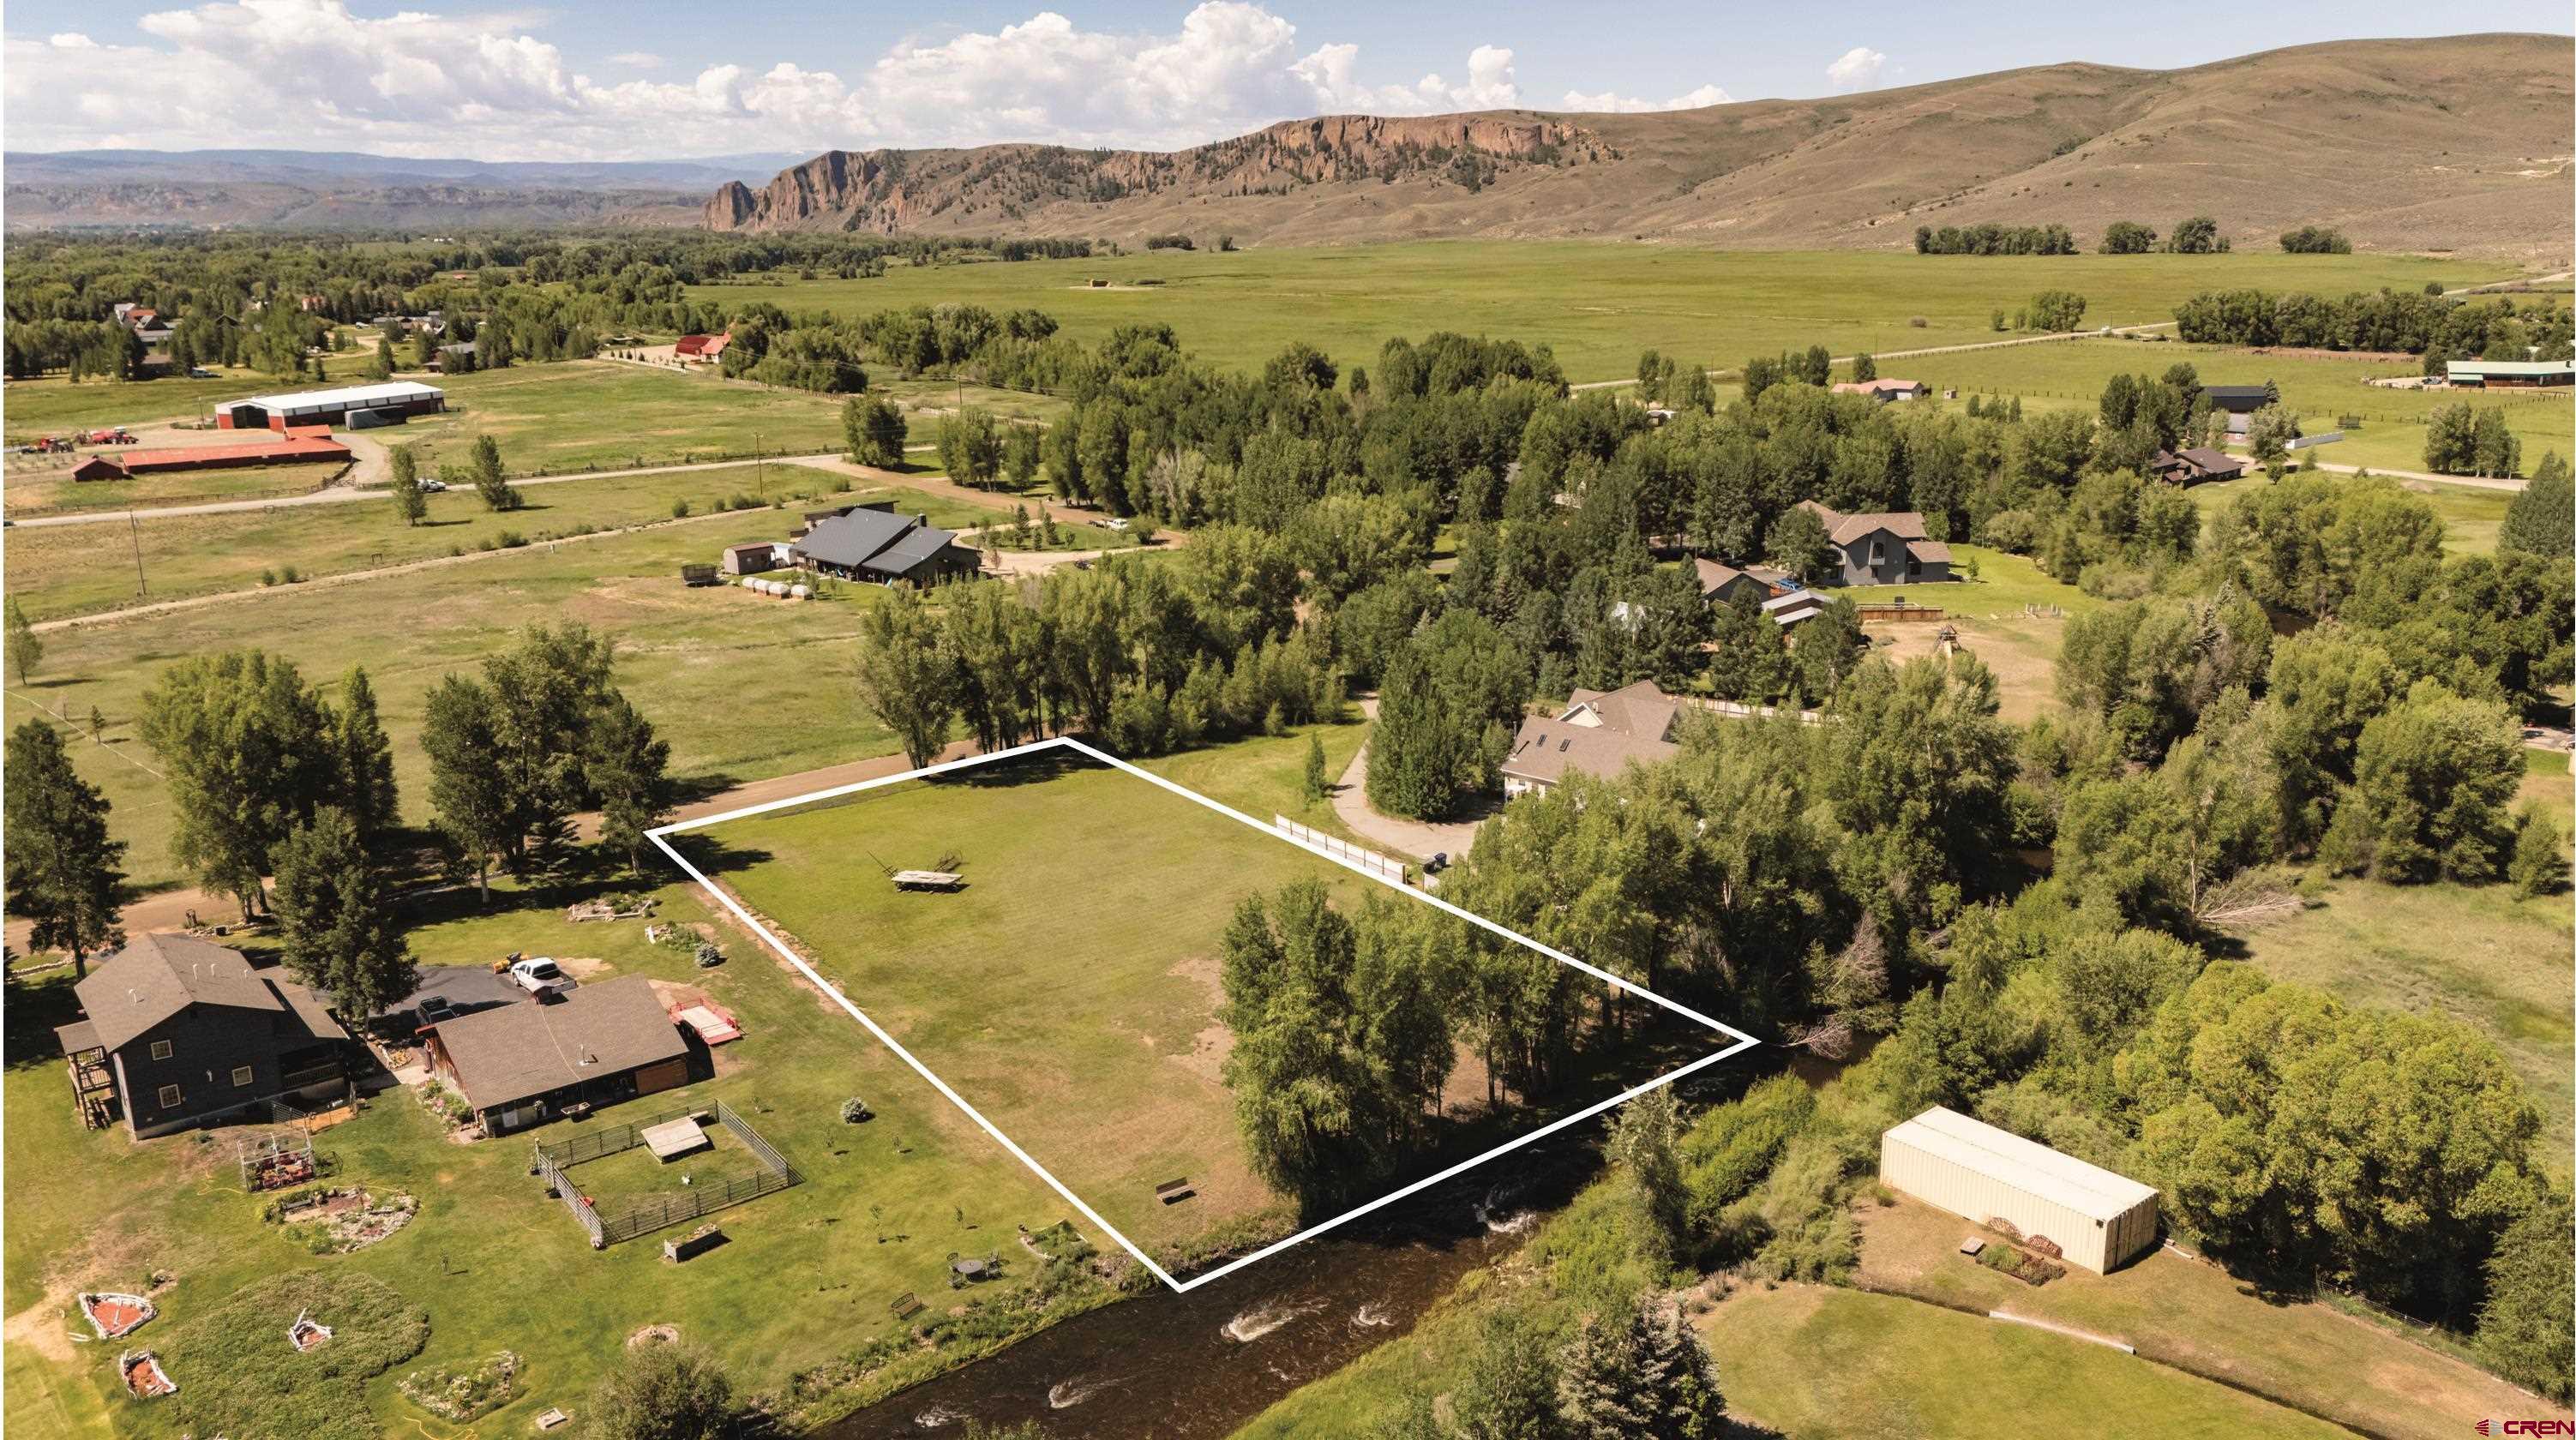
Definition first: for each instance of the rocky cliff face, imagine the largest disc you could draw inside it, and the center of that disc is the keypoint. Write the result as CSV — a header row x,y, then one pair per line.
x,y
888,190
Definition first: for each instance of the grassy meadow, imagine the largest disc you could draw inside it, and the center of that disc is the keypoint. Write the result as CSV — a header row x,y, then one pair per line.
x,y
743,688
1069,991
2321,388
2181,1311
57,571
44,486
2474,954
805,1277
1597,303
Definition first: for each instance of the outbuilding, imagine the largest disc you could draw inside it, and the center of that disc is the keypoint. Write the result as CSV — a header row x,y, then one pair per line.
x,y
302,408
2511,374
2098,1219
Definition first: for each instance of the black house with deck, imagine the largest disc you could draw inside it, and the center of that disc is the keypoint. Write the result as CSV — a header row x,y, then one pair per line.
x,y
181,1032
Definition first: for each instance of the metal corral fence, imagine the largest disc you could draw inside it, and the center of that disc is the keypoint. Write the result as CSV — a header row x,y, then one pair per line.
x,y
627,1220
1340,849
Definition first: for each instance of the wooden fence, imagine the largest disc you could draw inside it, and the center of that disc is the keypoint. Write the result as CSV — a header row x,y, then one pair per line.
x,y
624,1220
1343,850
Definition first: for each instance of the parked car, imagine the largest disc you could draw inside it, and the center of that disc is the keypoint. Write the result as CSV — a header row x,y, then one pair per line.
x,y
1115,524
200,372
429,485
539,977
438,1008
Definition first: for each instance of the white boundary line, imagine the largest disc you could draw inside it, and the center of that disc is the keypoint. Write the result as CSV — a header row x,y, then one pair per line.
x,y
660,837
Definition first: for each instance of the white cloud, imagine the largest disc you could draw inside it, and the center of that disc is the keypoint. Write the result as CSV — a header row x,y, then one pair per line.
x,y
1611,100
317,73
1858,69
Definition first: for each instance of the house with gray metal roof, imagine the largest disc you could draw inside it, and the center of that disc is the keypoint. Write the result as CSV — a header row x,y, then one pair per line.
x,y
179,1032
880,546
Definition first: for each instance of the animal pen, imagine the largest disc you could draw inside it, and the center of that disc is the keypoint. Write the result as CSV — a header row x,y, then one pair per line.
x,y
608,1219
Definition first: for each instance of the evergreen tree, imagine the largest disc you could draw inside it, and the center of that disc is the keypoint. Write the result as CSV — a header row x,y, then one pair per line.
x,y
460,731
1864,367
2539,865
410,504
366,759
335,921
62,875
26,652
2523,1327
625,765
497,493
2542,518
1318,783
1604,1393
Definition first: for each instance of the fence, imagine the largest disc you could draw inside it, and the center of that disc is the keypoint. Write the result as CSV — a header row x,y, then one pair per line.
x,y
630,1219
1340,849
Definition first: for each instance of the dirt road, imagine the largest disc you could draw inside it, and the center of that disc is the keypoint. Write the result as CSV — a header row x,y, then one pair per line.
x,y
1935,350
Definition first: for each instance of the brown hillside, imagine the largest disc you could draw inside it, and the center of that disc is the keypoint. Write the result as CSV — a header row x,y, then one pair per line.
x,y
2457,143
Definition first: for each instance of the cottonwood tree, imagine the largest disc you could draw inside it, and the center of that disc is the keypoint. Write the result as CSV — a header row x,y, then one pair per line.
x,y
335,921
2435,774
969,447
509,754
1915,769
873,428
250,752
1644,1146
1510,1392
906,679
62,875
497,492
664,1391
1797,542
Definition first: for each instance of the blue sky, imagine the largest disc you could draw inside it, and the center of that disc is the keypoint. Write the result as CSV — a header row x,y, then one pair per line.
x,y
668,78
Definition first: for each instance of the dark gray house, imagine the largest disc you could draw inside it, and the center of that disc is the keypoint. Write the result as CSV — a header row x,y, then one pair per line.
x,y
889,549
2239,402
181,1032
1886,547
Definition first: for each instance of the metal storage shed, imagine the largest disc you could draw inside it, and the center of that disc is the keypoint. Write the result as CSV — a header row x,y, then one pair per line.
x,y
1967,1167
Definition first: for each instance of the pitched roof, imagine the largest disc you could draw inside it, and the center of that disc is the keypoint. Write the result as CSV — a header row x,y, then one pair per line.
x,y
1928,550
1885,386
2208,459
2532,369
1714,577
156,976
387,392
521,1051
1640,709
2087,1189
1843,529
1545,750
2228,397
874,540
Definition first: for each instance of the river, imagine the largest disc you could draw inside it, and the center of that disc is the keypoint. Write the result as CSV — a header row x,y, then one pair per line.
x,y
1202,1362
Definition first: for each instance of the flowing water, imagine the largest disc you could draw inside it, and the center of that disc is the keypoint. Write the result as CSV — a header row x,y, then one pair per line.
x,y
1197,1364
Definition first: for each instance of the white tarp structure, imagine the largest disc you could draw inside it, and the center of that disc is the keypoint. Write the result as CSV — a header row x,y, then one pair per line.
x,y
1970,1168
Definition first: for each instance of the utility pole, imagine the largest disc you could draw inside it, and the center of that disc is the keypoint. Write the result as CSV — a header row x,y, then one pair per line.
x,y
134,530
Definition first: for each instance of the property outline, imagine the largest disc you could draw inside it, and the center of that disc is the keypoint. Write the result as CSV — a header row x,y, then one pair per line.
x,y
660,836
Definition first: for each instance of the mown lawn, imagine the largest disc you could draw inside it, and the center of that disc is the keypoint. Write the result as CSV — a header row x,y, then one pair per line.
x,y
743,688
2476,954
608,415
60,570
2177,1309
2321,389
805,1277
1822,1364
1069,991
1596,303
2012,617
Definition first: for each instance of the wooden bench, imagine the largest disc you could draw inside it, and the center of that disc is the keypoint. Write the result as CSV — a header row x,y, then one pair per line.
x,y
905,1305
1173,1192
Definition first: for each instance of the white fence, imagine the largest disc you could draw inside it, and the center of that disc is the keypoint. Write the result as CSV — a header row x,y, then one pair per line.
x,y
1342,850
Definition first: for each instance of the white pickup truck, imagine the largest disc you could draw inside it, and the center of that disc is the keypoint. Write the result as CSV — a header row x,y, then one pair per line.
x,y
539,977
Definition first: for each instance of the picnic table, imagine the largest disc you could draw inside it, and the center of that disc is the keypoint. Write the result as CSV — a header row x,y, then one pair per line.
x,y
927,880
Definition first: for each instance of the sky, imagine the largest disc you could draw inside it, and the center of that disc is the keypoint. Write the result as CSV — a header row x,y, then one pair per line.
x,y
673,79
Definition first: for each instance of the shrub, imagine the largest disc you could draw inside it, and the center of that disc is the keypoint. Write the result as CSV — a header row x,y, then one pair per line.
x,y
1917,322
680,508
461,1395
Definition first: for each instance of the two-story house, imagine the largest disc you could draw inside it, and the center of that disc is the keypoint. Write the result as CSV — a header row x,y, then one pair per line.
x,y
1886,547
181,1032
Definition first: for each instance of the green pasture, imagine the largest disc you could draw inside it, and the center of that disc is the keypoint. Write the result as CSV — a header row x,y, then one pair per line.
x,y
43,485
1598,303
2321,388
743,688
1069,990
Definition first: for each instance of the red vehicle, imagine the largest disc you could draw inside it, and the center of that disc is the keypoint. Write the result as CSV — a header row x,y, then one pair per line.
x,y
117,436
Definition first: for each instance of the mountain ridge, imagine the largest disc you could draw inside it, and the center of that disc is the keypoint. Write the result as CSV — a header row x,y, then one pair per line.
x,y
2451,143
